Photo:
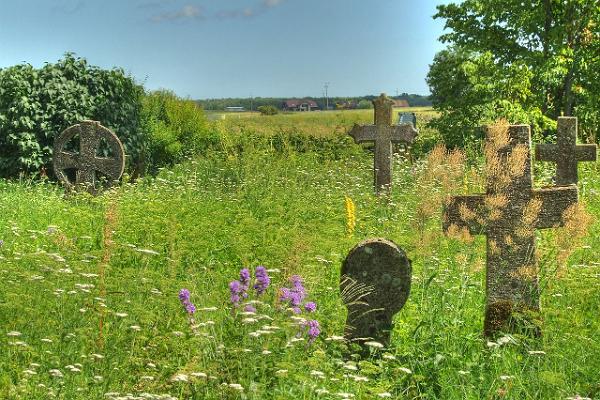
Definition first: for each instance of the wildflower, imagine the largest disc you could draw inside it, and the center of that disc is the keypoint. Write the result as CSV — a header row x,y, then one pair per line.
x,y
245,280
295,295
374,344
236,386
184,297
250,308
56,373
262,280
235,288
313,330
405,370
384,394
13,334
180,378
311,306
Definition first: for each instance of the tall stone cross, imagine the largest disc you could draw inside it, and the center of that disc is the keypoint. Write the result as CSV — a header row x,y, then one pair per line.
x,y
383,133
508,214
566,153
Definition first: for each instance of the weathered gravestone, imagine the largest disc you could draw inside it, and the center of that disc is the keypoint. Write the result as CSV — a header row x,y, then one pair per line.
x,y
508,214
566,153
383,133
86,162
375,285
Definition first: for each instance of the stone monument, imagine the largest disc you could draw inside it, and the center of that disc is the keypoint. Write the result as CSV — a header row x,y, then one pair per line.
x,y
383,133
375,284
86,161
566,153
508,214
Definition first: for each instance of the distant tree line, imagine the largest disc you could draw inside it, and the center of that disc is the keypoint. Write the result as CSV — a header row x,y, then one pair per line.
x,y
414,100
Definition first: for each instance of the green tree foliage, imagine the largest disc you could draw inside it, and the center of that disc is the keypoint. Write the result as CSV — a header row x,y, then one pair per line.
x,y
38,104
268,110
364,105
175,128
526,64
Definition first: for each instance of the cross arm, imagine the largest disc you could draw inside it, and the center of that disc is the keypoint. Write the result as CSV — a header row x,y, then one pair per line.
x,y
555,202
404,133
463,212
364,133
586,152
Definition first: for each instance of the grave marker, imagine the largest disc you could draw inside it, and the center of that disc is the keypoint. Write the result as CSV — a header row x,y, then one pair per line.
x,y
86,162
566,153
508,215
375,285
383,133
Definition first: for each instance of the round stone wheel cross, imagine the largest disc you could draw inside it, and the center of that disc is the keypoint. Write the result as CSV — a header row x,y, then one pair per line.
x,y
87,162
375,284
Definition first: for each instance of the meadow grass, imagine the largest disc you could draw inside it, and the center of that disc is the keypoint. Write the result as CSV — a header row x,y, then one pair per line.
x,y
89,286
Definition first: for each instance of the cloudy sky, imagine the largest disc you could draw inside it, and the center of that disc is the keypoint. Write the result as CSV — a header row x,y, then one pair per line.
x,y
234,48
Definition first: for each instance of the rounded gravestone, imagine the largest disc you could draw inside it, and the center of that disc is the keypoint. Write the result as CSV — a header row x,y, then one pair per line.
x,y
375,284
86,162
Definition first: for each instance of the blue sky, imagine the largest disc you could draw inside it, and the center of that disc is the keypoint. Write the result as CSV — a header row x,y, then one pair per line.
x,y
234,48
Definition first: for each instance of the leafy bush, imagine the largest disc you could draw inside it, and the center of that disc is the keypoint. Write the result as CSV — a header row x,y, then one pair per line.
x,y
38,104
176,129
268,110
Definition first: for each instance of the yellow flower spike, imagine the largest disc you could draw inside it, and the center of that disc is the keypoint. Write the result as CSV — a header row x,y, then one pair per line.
x,y
350,216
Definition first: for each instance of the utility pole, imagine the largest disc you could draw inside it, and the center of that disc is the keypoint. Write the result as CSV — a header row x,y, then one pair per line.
x,y
326,96
251,102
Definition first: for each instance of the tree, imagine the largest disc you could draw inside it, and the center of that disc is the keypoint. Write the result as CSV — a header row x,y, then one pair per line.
x,y
543,58
268,110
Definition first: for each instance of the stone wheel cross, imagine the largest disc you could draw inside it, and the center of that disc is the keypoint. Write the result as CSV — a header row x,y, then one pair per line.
x,y
87,162
383,133
511,266
375,284
566,153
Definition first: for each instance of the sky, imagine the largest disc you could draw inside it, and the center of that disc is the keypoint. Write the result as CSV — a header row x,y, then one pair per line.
x,y
234,48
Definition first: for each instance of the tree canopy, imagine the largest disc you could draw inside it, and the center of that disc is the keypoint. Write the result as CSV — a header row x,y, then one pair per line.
x,y
526,62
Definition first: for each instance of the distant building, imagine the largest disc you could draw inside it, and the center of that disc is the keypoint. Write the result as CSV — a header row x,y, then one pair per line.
x,y
235,109
401,103
299,105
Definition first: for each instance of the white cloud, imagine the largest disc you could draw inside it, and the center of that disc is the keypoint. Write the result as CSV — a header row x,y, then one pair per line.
x,y
187,12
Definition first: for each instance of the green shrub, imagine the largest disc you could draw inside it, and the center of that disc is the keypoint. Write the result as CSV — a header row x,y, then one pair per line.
x,y
176,129
38,104
268,110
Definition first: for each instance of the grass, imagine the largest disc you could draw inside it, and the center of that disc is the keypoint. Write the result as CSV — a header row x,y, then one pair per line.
x,y
88,287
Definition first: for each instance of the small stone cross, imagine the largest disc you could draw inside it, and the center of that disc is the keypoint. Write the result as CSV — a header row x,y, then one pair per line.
x,y
509,215
375,284
86,162
566,153
383,133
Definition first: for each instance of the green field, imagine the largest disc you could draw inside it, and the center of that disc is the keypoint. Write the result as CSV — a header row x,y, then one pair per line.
x,y
89,304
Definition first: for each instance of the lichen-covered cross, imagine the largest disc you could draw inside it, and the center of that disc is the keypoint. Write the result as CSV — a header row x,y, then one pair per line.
x,y
383,133
85,161
566,153
508,214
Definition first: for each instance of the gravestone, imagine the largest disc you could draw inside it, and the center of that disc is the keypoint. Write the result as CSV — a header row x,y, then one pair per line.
x,y
375,284
383,133
86,162
566,153
508,215
407,118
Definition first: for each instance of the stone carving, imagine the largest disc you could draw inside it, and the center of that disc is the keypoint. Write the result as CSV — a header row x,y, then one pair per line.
x,y
566,153
375,285
86,162
383,133
509,213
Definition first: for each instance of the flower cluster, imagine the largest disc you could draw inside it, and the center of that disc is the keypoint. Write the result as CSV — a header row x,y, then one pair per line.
x,y
294,296
312,329
238,289
184,297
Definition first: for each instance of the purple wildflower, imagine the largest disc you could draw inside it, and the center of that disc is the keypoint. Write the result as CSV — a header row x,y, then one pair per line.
x,y
184,294
295,295
249,308
236,290
245,279
313,329
262,280
311,306
184,297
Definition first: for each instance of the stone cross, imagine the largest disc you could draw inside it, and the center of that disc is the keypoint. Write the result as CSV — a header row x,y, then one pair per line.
x,y
375,284
86,162
566,153
383,133
509,215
